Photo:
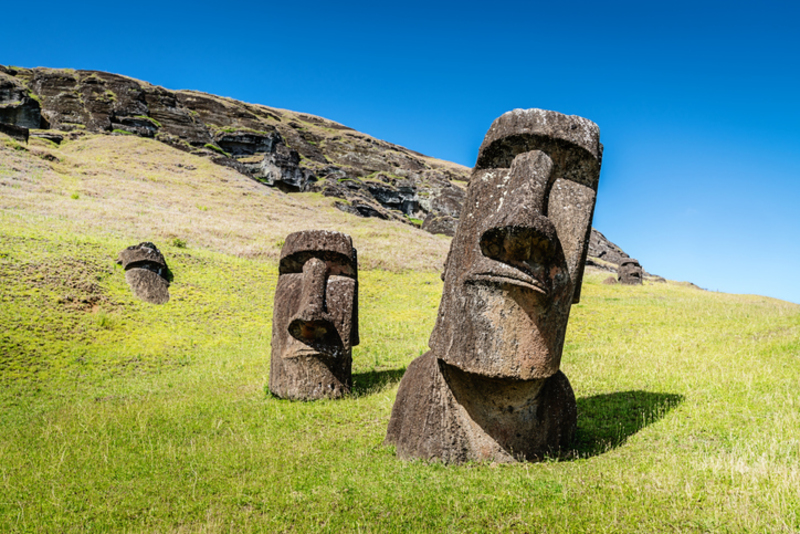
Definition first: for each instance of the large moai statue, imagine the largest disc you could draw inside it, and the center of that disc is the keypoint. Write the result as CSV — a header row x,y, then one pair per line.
x,y
315,318
146,272
490,387
630,272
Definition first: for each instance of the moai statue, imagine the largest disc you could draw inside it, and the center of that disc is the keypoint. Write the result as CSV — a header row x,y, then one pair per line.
x,y
315,319
630,272
146,272
490,388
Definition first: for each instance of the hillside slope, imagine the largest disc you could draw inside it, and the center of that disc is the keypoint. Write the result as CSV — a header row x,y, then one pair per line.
x,y
287,150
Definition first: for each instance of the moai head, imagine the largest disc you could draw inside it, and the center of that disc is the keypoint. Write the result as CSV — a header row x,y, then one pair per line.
x,y
146,272
315,319
630,272
516,262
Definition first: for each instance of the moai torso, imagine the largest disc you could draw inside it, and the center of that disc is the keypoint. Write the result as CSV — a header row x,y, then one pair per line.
x,y
315,318
146,272
630,272
490,387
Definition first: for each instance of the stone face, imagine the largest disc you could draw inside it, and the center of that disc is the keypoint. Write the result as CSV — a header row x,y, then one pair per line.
x,y
491,381
315,317
146,272
630,272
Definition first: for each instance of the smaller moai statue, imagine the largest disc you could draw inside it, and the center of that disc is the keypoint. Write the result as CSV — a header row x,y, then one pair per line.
x,y
630,272
146,272
315,317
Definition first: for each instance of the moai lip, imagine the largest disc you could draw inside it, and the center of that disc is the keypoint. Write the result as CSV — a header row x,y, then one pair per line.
x,y
490,387
630,272
315,317
146,272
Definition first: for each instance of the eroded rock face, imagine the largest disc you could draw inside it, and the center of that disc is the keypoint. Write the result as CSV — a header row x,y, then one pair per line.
x,y
146,271
17,108
630,272
490,387
315,318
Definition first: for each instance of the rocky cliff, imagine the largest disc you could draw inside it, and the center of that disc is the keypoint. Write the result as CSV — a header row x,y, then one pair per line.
x,y
280,148
284,149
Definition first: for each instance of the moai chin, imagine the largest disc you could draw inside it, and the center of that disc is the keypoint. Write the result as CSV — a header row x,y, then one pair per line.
x,y
490,388
630,272
146,272
315,318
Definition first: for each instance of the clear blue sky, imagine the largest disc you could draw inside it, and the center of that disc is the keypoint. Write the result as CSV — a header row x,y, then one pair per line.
x,y
698,102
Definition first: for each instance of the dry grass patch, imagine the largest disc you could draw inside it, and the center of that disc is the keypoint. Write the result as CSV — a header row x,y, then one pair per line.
x,y
144,190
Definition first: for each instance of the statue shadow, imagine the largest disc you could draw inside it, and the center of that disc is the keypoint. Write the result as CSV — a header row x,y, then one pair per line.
x,y
607,421
372,381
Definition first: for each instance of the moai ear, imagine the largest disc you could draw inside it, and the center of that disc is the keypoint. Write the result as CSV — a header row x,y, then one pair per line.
x,y
354,337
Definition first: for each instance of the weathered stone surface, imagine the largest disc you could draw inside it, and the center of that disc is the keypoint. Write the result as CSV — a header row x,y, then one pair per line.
x,y
315,317
440,224
602,249
148,285
630,272
50,136
281,168
442,413
146,272
17,108
490,388
17,132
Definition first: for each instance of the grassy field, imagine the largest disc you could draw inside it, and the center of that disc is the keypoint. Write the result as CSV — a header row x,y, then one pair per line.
x,y
118,416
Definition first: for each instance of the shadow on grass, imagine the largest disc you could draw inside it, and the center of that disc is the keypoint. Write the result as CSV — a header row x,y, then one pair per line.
x,y
606,421
371,381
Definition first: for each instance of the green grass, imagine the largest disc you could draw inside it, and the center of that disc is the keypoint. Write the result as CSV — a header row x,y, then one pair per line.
x,y
122,416
119,416
215,148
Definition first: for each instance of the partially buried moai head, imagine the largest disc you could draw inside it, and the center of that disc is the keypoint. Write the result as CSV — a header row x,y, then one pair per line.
x,y
516,262
146,272
315,319
630,272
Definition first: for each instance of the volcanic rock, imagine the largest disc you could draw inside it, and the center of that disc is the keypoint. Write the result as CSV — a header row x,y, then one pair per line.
x,y
146,272
630,272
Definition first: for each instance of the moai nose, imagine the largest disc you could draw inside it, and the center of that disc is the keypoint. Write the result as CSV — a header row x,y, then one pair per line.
x,y
519,230
311,322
